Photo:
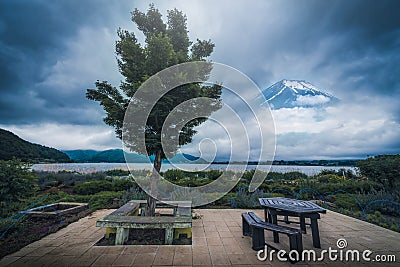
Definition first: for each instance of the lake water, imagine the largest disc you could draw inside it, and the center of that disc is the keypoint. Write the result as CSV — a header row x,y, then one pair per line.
x,y
96,167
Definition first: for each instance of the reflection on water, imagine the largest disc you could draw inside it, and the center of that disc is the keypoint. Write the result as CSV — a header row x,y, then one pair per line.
x,y
98,167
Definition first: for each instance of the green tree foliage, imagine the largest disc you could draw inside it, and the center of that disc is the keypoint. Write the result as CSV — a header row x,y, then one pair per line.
x,y
166,44
16,181
12,146
384,169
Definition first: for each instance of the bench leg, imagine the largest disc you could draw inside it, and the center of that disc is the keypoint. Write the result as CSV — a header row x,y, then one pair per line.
x,y
121,236
258,238
315,233
296,243
274,220
303,224
245,227
299,239
169,235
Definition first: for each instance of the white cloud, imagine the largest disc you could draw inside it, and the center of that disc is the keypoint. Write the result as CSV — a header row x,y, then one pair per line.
x,y
67,136
346,130
311,100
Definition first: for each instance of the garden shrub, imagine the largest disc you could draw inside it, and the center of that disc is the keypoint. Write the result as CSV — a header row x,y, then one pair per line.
x,y
346,201
117,172
16,181
384,169
329,178
92,187
105,200
244,199
132,194
120,184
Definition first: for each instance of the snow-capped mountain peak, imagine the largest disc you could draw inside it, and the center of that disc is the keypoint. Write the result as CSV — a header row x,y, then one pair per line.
x,y
295,93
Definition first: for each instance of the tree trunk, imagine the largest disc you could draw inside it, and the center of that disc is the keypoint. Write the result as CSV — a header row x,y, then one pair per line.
x,y
151,200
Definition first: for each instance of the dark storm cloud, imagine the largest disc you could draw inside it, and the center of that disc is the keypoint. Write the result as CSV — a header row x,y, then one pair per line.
x,y
51,51
33,37
357,43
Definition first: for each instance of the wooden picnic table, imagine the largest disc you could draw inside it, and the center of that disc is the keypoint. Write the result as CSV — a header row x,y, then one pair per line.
x,y
293,208
126,217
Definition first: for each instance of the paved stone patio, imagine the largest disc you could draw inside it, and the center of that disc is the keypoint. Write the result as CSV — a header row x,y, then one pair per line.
x,y
217,241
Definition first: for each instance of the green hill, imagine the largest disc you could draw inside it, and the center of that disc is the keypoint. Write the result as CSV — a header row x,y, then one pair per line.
x,y
109,156
13,146
82,156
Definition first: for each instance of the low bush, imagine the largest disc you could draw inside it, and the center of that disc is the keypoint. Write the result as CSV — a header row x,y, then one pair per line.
x,y
120,184
246,200
105,200
92,187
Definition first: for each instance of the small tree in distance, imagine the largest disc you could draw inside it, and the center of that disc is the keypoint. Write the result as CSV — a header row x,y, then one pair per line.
x,y
166,44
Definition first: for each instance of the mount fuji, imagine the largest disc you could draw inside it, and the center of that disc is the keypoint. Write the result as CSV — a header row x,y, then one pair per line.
x,y
295,93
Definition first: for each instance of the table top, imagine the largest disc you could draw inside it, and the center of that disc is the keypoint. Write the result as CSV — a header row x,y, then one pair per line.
x,y
291,205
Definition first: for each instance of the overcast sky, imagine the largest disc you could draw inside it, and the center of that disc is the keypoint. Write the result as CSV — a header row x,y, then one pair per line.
x,y
52,51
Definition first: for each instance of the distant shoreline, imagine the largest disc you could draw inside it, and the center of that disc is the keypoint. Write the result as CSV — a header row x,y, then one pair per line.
x,y
327,163
101,167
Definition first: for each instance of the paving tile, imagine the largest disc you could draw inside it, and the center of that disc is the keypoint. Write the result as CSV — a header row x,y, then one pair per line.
x,y
183,249
213,241
113,249
25,261
238,258
47,260
200,249
217,240
201,259
199,241
130,250
86,259
105,260
220,259
23,251
182,259
76,251
144,259
124,260
211,234
228,241
210,228
8,260
216,249
166,248
64,261
233,249
40,251
225,234
147,248
164,258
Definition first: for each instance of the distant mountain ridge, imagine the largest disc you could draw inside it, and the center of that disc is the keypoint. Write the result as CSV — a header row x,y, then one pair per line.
x,y
117,156
295,93
13,146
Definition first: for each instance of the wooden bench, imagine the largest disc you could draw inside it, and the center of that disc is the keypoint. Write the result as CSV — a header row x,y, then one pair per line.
x,y
130,208
125,218
254,227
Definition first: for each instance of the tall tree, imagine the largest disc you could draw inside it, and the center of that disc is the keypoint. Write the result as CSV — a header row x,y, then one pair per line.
x,y
166,44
